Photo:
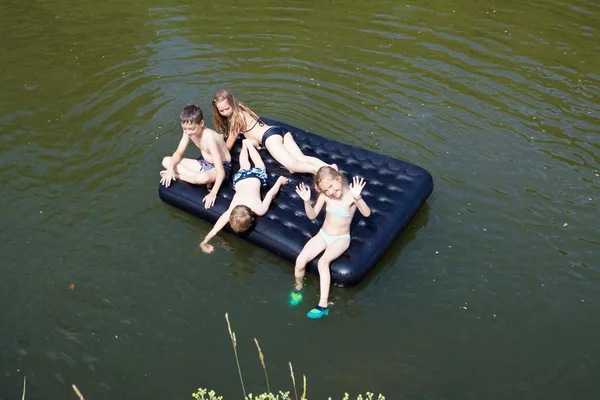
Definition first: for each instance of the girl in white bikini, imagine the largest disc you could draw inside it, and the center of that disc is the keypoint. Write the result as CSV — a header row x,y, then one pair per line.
x,y
341,201
232,117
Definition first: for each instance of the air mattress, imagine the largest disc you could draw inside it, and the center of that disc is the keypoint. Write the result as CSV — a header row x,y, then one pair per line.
x,y
395,191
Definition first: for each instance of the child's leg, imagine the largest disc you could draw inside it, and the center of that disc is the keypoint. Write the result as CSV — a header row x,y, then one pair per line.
x,y
244,161
276,148
190,170
291,146
187,165
332,252
256,159
199,178
312,248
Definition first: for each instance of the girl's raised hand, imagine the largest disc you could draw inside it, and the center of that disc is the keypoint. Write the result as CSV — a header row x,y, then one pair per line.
x,y
303,191
356,187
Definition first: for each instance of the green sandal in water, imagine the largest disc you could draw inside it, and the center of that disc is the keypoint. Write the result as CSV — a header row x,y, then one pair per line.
x,y
318,312
296,297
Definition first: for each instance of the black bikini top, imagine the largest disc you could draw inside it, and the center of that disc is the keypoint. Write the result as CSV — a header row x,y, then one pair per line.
x,y
258,121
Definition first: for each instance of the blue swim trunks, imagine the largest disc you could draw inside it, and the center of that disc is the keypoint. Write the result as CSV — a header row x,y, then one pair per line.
x,y
206,166
257,173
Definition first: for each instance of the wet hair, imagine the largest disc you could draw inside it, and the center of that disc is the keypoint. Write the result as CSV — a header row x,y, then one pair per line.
x,y
236,122
191,114
240,218
327,172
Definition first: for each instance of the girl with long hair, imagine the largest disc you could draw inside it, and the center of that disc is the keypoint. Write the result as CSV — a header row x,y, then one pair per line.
x,y
232,118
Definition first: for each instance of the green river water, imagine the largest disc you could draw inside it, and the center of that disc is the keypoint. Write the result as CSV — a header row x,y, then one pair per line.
x,y
491,293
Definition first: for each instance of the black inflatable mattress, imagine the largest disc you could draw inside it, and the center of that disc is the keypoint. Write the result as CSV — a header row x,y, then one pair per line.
x,y
395,191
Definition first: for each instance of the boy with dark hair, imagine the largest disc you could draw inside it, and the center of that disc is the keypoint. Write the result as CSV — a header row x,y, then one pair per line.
x,y
211,168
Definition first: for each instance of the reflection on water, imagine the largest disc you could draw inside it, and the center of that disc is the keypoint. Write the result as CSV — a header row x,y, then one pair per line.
x,y
492,285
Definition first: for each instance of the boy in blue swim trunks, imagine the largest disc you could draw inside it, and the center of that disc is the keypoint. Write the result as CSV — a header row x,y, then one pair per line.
x,y
246,202
211,168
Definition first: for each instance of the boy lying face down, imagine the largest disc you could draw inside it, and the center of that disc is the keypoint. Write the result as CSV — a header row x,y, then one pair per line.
x,y
246,202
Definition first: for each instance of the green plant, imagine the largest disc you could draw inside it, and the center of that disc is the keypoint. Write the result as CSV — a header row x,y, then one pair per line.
x,y
201,393
271,396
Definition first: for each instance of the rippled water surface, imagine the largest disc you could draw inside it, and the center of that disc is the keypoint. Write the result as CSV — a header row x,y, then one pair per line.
x,y
490,294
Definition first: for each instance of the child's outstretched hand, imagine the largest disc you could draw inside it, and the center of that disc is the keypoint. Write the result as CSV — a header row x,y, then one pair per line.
x,y
303,191
282,180
207,248
209,199
167,176
356,187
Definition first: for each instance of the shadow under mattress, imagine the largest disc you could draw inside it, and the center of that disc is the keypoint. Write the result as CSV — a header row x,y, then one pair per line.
x,y
395,191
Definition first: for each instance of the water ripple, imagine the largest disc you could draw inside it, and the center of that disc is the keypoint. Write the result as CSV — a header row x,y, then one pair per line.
x,y
498,102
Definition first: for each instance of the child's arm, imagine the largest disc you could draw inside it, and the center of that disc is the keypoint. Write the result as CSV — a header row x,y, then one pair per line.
x,y
231,138
211,197
364,209
318,205
304,193
220,224
175,159
356,188
254,143
264,207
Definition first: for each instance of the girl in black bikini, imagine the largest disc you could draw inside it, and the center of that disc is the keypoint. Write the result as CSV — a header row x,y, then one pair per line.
x,y
232,117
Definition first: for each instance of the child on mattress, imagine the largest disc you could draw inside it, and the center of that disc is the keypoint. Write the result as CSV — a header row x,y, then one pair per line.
x,y
246,202
232,117
212,167
341,201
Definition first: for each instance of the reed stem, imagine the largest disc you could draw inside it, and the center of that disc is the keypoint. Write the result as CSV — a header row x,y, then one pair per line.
x,y
293,380
304,393
237,361
77,392
262,361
